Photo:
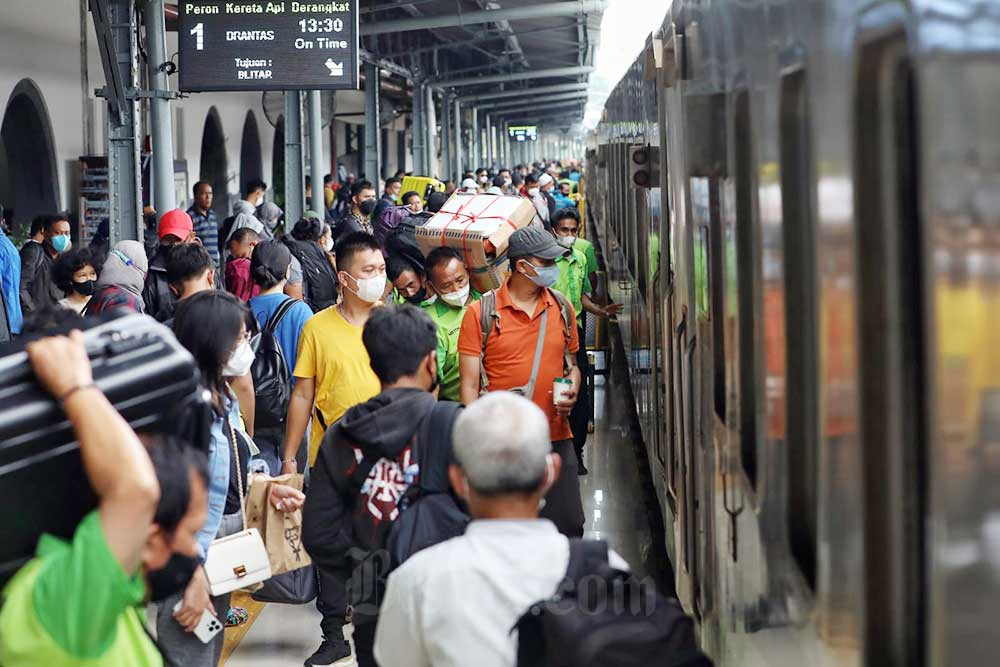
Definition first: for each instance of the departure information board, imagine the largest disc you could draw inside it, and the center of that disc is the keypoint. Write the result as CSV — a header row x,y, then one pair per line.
x,y
523,132
253,46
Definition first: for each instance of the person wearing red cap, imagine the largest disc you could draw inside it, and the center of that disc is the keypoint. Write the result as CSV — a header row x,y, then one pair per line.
x,y
175,227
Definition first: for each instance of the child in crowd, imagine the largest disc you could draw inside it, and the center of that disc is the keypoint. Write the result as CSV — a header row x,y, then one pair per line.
x,y
238,281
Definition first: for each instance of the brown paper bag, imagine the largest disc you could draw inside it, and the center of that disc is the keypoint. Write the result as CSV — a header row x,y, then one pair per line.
x,y
281,531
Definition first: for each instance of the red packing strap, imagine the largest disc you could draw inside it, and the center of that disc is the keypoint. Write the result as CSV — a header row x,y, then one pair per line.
x,y
465,232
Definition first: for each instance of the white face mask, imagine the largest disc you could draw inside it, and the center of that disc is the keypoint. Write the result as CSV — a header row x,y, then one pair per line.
x,y
532,191
565,241
483,179
369,289
240,361
328,244
456,298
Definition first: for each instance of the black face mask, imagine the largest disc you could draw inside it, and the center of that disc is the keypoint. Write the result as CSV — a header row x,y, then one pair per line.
x,y
417,298
172,577
86,288
367,207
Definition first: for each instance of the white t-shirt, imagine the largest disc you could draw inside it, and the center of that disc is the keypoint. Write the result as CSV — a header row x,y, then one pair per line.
x,y
66,303
454,604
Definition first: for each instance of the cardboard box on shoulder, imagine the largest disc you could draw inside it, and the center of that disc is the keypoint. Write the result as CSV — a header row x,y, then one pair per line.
x,y
478,226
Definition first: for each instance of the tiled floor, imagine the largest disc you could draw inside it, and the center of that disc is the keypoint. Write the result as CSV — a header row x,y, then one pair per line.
x,y
284,636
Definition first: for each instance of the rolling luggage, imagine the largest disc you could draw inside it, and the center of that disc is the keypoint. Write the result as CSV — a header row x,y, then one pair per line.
x,y
145,373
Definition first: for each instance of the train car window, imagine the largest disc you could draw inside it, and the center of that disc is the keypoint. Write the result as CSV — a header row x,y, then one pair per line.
x,y
801,329
748,302
716,298
893,373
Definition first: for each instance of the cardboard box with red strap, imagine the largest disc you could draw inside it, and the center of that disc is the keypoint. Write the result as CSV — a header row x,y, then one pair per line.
x,y
478,227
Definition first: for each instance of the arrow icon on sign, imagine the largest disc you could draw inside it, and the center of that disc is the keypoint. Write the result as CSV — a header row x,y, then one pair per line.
x,y
336,69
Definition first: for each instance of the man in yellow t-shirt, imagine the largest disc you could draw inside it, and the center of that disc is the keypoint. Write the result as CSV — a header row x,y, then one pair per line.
x,y
332,370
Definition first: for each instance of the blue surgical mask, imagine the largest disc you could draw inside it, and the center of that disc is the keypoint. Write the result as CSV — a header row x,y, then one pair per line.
x,y
546,275
60,243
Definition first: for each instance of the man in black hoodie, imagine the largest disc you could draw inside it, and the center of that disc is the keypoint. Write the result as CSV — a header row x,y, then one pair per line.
x,y
349,511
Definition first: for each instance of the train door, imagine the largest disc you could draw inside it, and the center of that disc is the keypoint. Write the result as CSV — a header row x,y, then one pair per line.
x,y
892,348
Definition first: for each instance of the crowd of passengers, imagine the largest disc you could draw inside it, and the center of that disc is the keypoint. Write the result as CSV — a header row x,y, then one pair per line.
x,y
374,335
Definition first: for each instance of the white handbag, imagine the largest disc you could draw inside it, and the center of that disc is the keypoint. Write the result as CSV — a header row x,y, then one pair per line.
x,y
239,560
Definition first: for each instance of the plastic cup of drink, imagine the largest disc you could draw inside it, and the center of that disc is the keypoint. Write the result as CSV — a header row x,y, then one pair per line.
x,y
560,387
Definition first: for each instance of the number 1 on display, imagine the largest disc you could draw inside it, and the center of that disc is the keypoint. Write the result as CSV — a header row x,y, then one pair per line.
x,y
199,32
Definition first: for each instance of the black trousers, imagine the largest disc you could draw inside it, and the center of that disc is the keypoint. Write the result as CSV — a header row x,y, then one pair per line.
x,y
333,602
563,505
582,411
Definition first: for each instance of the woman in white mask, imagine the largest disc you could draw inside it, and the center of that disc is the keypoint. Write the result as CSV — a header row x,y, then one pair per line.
x,y
212,326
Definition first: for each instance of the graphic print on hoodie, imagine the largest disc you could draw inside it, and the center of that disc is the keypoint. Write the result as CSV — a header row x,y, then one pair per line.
x,y
339,515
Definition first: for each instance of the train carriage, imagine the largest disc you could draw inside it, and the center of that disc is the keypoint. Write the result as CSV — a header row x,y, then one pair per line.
x,y
810,279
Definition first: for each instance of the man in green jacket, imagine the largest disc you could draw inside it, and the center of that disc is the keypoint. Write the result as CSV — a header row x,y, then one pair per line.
x,y
80,603
448,276
576,274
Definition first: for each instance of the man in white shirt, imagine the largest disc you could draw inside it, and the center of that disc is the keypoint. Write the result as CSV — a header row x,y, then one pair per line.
x,y
455,603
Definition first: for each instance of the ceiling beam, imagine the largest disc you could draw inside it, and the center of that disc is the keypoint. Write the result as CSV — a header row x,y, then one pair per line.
x,y
517,76
529,12
524,92
550,99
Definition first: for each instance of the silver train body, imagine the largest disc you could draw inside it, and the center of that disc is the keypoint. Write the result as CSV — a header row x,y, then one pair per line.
x,y
812,321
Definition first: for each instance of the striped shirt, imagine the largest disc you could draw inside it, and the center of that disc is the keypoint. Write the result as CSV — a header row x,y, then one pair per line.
x,y
206,227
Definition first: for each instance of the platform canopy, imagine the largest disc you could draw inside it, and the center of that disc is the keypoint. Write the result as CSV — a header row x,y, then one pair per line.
x,y
478,51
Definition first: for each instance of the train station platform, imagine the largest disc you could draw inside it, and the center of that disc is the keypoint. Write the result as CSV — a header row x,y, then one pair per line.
x,y
615,509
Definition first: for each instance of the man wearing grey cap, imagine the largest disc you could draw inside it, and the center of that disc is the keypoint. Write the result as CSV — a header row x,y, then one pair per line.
x,y
526,343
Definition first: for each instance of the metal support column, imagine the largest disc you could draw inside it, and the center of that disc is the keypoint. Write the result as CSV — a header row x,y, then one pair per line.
x,y
419,135
373,127
160,126
488,153
315,111
475,155
430,124
294,181
458,142
446,135
115,26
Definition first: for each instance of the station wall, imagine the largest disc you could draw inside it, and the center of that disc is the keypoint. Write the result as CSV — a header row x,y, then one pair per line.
x,y
41,76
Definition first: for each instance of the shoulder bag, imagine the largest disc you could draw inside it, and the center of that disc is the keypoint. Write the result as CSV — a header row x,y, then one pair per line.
x,y
239,560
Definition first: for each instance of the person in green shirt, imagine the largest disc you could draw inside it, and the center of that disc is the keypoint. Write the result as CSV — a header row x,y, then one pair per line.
x,y
79,603
449,278
576,273
407,280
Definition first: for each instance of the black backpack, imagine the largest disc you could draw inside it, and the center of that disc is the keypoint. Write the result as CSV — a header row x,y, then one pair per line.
x,y
319,282
402,241
272,382
600,616
430,513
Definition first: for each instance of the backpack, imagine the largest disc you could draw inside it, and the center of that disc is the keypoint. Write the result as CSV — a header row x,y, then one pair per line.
x,y
271,380
402,241
430,514
319,283
489,319
619,622
388,220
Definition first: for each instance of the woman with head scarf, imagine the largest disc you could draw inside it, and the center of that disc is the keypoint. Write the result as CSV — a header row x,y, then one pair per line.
x,y
121,280
270,214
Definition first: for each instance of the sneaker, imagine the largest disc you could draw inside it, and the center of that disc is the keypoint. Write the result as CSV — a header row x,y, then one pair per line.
x,y
329,652
236,616
581,469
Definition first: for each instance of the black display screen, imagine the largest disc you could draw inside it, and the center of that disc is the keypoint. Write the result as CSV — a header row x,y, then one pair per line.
x,y
284,45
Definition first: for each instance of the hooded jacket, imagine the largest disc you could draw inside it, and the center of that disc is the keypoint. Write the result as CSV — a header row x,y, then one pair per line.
x,y
338,515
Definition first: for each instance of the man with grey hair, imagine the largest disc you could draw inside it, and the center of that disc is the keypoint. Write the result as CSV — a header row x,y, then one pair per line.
x,y
456,602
